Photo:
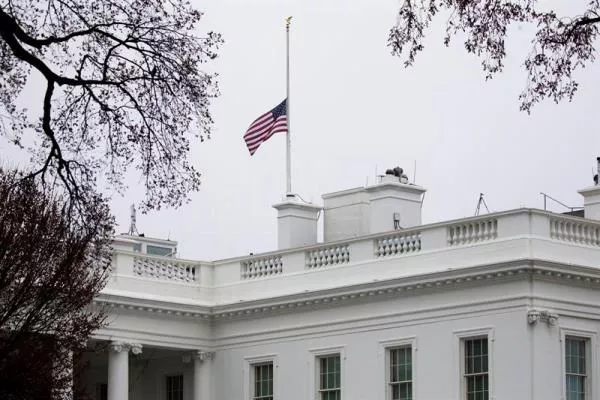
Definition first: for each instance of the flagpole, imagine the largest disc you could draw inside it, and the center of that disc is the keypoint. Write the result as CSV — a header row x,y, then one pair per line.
x,y
287,135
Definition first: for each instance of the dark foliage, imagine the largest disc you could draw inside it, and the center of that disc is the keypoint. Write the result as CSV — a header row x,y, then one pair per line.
x,y
560,46
51,268
122,87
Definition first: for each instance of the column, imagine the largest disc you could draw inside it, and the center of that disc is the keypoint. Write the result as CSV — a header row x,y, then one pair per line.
x,y
118,369
202,374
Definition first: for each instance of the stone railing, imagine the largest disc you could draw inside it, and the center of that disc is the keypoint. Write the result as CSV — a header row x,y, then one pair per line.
x,y
164,269
261,267
459,235
473,232
570,230
330,255
399,243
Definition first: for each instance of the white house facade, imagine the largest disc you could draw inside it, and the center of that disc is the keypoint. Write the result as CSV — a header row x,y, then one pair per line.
x,y
497,306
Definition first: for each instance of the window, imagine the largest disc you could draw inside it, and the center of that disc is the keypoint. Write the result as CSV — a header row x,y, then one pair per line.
x,y
475,369
159,250
330,371
260,377
175,387
397,368
576,368
263,381
400,373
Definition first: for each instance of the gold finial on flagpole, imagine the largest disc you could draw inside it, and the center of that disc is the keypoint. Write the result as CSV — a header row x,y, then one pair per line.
x,y
288,20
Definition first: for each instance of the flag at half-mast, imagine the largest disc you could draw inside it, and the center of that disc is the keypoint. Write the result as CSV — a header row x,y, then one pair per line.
x,y
265,126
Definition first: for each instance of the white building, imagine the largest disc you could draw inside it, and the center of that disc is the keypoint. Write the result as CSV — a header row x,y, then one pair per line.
x,y
498,306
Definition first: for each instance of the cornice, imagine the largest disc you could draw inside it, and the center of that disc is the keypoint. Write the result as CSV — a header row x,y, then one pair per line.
x,y
451,279
373,291
447,280
116,302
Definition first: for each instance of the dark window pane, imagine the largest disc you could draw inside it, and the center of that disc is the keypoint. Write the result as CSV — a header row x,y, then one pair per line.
x,y
174,386
575,367
396,392
401,373
330,372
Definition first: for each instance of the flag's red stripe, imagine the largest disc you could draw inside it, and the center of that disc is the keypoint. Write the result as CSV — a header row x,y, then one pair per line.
x,y
259,135
261,120
257,130
280,125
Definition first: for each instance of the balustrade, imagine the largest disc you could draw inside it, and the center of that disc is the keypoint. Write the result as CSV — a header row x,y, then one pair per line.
x,y
164,269
400,243
261,267
332,255
581,232
473,232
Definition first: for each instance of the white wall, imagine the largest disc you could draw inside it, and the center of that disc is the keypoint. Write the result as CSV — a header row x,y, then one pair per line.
x,y
527,359
436,360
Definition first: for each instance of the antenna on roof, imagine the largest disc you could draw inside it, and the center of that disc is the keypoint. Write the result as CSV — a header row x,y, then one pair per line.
x,y
597,171
415,173
132,228
479,203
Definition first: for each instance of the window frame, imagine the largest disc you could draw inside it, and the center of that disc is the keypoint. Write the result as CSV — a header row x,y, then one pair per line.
x,y
174,375
314,365
336,357
591,385
385,348
249,373
459,356
466,375
253,395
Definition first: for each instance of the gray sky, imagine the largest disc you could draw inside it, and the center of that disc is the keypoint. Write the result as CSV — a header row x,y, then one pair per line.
x,y
355,109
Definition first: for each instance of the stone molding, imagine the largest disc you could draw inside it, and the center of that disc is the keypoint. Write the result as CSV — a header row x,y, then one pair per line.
x,y
535,315
117,347
136,348
125,303
450,280
204,355
201,355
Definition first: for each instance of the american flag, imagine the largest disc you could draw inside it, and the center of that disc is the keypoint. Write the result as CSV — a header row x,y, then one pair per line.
x,y
265,126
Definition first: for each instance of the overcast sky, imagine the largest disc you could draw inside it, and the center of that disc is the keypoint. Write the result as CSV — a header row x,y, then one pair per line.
x,y
355,110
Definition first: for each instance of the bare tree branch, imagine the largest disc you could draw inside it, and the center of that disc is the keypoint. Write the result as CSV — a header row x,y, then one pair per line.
x,y
51,268
125,76
560,47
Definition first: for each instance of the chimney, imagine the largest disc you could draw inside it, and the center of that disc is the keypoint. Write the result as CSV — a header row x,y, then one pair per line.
x,y
296,223
391,204
394,205
591,197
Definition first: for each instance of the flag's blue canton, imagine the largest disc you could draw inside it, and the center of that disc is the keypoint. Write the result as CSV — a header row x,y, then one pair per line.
x,y
280,110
